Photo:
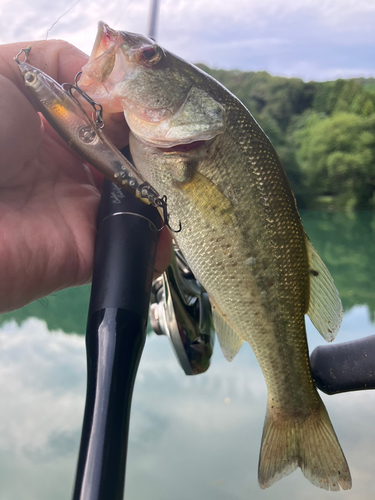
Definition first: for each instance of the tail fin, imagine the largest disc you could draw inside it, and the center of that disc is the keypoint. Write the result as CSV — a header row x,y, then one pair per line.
x,y
310,444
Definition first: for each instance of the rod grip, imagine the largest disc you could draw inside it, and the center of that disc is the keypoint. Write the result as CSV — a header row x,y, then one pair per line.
x,y
125,252
349,366
116,330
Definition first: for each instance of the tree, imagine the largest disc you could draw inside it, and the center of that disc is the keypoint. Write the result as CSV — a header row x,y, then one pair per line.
x,y
337,156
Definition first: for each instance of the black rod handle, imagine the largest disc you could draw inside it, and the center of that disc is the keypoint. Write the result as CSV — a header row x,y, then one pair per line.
x,y
123,269
349,366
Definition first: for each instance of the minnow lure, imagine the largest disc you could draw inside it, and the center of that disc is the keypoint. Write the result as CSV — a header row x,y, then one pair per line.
x,y
72,123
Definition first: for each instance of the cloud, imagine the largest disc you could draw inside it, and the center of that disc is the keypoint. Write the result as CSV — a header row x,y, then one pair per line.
x,y
189,436
47,372
306,38
42,386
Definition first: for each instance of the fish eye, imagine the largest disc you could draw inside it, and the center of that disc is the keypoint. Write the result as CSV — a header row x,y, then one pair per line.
x,y
151,54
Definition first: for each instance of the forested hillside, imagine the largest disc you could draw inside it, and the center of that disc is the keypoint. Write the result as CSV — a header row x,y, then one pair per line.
x,y
324,133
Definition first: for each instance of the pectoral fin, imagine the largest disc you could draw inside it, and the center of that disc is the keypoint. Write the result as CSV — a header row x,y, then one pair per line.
x,y
229,341
325,308
208,200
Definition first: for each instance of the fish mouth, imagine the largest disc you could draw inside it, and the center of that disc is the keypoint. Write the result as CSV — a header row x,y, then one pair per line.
x,y
105,68
106,37
102,58
182,148
152,127
171,147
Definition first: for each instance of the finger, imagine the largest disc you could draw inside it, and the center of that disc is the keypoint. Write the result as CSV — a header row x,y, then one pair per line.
x,y
62,61
21,130
59,59
164,252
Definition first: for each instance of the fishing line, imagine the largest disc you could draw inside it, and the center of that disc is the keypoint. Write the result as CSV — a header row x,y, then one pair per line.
x,y
28,49
60,17
123,12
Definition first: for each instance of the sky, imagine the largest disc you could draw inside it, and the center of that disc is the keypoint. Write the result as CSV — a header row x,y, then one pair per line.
x,y
310,39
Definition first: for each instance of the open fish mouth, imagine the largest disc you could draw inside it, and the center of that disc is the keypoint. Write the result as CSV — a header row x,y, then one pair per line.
x,y
106,37
183,148
102,59
103,55
126,73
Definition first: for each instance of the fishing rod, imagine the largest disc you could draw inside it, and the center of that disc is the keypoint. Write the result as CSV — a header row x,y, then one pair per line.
x,y
124,262
343,367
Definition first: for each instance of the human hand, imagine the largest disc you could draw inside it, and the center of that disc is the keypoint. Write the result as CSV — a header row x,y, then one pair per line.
x,y
48,195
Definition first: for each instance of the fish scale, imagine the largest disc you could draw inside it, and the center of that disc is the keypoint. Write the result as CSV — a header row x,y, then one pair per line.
x,y
241,235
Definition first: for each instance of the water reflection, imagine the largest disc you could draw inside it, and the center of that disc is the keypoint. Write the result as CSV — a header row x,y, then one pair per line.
x,y
65,310
346,243
42,385
186,440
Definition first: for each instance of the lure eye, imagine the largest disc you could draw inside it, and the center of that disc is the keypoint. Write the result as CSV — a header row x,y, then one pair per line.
x,y
30,78
151,54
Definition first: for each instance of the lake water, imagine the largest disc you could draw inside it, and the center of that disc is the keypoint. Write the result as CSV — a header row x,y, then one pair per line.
x,y
190,437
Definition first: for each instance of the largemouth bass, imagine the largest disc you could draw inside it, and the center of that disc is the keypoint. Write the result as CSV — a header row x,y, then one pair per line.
x,y
241,235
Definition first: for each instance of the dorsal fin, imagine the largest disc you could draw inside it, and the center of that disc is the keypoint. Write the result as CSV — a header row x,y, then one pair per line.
x,y
325,308
229,341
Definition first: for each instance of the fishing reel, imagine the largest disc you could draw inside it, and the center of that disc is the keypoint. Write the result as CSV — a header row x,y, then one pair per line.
x,y
180,309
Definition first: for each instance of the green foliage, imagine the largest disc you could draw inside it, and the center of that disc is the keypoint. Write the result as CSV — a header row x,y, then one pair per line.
x,y
323,133
65,310
272,100
344,95
337,155
346,243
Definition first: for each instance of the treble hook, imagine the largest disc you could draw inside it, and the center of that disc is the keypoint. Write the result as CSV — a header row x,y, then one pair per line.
x,y
162,203
98,108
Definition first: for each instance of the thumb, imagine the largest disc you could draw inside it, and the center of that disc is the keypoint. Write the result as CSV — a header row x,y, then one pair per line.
x,y
21,130
59,59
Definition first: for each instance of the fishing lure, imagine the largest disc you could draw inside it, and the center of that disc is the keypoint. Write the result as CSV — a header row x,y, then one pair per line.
x,y
73,124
